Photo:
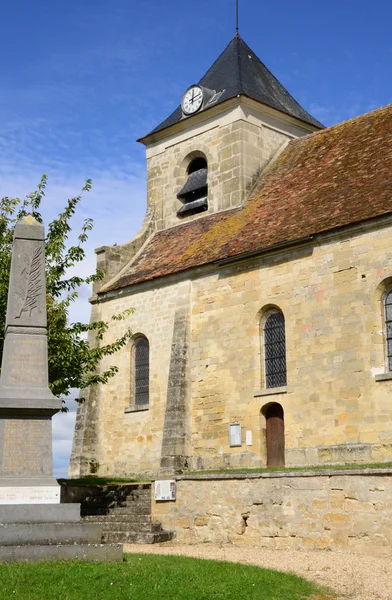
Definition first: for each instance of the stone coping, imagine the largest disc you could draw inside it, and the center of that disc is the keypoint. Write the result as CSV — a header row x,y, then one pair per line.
x,y
279,474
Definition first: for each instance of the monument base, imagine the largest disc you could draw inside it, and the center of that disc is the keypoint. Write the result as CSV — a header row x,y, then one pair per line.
x,y
93,552
29,495
29,490
31,532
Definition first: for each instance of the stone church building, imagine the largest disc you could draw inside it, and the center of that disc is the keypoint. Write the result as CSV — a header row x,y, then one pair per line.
x,y
261,283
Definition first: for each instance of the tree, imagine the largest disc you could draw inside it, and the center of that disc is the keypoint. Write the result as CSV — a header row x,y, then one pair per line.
x,y
73,361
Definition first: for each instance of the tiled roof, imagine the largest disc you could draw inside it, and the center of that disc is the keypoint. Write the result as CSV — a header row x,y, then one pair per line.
x,y
333,178
239,71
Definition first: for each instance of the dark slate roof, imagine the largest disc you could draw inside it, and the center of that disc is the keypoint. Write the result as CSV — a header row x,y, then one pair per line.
x,y
239,71
333,178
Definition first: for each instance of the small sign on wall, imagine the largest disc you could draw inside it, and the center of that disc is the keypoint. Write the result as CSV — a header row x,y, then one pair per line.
x,y
248,437
235,435
165,490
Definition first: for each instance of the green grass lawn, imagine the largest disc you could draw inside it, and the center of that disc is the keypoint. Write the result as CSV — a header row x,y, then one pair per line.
x,y
387,465
151,577
118,480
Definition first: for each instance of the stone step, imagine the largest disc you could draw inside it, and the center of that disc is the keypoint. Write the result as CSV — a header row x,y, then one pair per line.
x,y
95,552
113,513
120,495
113,498
120,503
124,526
40,513
121,510
130,510
117,498
150,537
140,502
112,520
14,534
115,518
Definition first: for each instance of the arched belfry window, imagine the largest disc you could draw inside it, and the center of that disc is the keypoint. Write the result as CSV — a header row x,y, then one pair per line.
x,y
388,327
194,193
275,350
141,371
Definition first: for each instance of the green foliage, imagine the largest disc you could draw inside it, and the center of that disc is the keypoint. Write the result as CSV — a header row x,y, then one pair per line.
x,y
143,577
73,361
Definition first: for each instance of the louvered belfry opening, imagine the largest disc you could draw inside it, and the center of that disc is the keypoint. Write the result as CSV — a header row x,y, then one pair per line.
x,y
194,193
388,328
142,371
275,351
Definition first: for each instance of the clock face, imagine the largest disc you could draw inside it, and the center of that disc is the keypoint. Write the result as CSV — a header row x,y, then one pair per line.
x,y
192,100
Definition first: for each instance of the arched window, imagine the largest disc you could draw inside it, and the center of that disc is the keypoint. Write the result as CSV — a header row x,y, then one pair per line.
x,y
194,193
388,328
141,371
274,417
275,350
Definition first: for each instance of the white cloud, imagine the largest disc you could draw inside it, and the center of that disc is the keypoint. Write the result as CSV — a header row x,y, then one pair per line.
x,y
63,427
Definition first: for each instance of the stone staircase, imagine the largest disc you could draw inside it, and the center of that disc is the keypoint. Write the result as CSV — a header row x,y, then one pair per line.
x,y
124,513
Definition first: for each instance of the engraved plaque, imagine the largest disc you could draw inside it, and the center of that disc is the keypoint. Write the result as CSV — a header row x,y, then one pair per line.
x,y
27,292
30,495
26,448
25,357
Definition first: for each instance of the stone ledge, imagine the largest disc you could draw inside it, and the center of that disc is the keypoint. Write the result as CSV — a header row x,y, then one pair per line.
x,y
271,391
383,377
132,409
279,474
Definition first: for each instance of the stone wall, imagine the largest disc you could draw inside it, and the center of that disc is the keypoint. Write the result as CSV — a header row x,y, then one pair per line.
x,y
337,410
337,403
111,435
237,145
331,510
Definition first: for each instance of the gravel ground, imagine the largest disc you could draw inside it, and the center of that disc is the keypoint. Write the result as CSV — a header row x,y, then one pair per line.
x,y
352,576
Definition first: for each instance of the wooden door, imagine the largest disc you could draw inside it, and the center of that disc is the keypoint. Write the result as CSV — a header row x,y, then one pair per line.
x,y
275,436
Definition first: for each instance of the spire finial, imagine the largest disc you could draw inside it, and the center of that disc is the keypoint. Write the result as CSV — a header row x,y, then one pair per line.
x,y
236,17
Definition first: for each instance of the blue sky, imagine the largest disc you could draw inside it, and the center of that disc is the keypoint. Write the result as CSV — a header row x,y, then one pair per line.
x,y
81,81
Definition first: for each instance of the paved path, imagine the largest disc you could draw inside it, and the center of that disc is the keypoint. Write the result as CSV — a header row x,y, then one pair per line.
x,y
352,576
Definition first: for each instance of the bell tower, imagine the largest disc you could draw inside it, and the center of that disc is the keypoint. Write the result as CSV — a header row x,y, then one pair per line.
x,y
205,156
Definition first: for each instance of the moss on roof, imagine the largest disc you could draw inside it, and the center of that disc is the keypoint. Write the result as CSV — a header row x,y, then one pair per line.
x,y
333,178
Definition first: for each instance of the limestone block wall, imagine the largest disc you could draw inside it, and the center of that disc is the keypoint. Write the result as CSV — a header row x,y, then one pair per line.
x,y
335,408
126,443
332,510
236,145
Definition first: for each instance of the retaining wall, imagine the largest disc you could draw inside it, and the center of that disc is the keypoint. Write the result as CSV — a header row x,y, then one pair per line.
x,y
347,510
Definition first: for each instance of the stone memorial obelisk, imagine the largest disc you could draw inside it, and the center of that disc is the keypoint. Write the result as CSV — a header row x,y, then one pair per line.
x,y
33,523
26,403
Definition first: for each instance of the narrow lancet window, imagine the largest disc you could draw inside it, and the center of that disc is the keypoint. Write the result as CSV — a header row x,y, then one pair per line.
x,y
142,371
275,351
388,328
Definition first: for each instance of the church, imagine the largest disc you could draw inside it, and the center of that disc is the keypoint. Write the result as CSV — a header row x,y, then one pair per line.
x,y
261,289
